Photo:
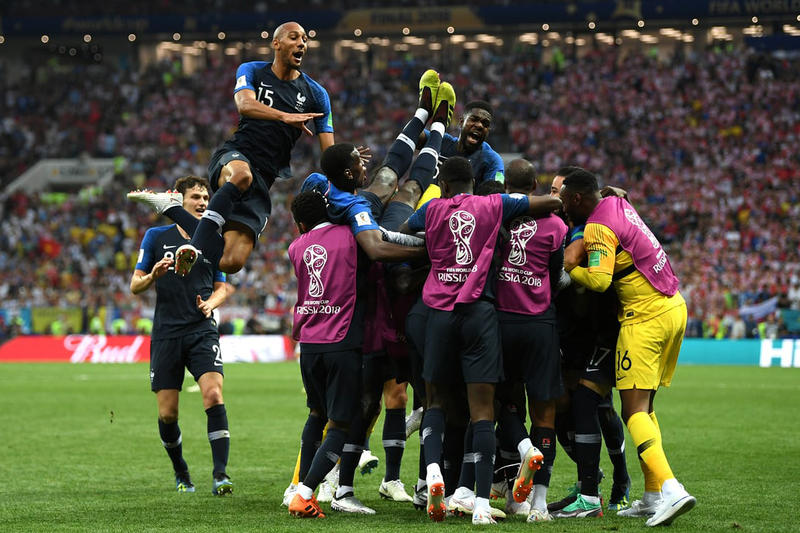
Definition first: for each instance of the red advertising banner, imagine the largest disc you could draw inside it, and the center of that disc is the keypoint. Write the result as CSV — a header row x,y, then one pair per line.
x,y
77,349
134,349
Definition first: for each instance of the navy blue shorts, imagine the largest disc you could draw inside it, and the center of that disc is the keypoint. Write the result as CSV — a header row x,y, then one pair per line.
x,y
531,353
255,206
467,339
333,383
198,352
416,321
600,367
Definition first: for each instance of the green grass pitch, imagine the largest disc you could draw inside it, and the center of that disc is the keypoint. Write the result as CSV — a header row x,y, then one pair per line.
x,y
81,452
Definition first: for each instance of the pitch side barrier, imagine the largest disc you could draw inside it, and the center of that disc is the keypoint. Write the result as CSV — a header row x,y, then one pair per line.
x,y
746,352
135,349
272,348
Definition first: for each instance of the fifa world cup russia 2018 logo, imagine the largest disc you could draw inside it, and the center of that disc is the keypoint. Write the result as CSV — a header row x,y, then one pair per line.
x,y
633,218
315,258
522,230
462,226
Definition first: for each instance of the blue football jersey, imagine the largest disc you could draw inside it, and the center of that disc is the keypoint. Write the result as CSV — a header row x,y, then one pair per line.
x,y
268,143
176,310
343,207
486,163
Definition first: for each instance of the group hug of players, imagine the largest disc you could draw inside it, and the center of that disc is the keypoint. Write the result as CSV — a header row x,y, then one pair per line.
x,y
496,305
481,319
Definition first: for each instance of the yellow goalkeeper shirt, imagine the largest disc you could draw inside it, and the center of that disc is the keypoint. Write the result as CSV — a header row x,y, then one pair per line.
x,y
606,259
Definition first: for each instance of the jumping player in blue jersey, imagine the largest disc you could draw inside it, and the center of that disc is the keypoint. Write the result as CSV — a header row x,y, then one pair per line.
x,y
275,100
185,336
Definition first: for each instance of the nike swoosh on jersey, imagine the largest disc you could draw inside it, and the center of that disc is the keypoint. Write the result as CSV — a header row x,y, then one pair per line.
x,y
168,247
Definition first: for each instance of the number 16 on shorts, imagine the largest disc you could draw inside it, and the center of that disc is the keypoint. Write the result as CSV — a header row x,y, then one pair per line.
x,y
623,361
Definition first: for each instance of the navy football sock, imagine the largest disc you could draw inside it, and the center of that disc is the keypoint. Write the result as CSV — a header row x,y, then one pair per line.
x,y
206,237
310,441
432,431
587,438
466,477
545,440
183,218
326,457
218,436
483,444
394,441
424,168
401,152
614,436
452,456
171,439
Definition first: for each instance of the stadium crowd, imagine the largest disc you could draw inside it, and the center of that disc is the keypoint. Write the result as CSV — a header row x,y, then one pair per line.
x,y
707,144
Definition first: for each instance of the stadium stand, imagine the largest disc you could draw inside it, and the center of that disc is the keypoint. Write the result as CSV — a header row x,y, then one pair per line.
x,y
707,143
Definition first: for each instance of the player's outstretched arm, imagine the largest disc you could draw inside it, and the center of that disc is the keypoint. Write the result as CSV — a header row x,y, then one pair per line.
x,y
141,280
249,106
371,241
539,206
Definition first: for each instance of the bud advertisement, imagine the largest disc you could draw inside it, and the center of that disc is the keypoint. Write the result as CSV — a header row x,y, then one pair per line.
x,y
134,349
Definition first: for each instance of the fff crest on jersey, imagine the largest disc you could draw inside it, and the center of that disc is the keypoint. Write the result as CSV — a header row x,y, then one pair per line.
x,y
300,104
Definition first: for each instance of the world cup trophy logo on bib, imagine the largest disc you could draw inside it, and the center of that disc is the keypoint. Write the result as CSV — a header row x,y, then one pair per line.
x,y
522,230
462,226
315,258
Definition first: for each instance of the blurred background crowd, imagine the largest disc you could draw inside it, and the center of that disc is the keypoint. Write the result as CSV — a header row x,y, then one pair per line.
x,y
707,142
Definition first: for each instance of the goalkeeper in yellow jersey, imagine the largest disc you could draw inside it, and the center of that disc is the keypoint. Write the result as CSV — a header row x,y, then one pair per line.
x,y
621,249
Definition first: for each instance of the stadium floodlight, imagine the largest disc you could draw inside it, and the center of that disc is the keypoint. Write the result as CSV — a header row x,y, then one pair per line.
x,y
264,34
87,38
640,24
755,20
451,30
592,25
695,22
131,37
45,39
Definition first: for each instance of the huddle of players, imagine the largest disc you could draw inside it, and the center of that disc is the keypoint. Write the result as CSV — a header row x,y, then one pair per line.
x,y
495,263
517,274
